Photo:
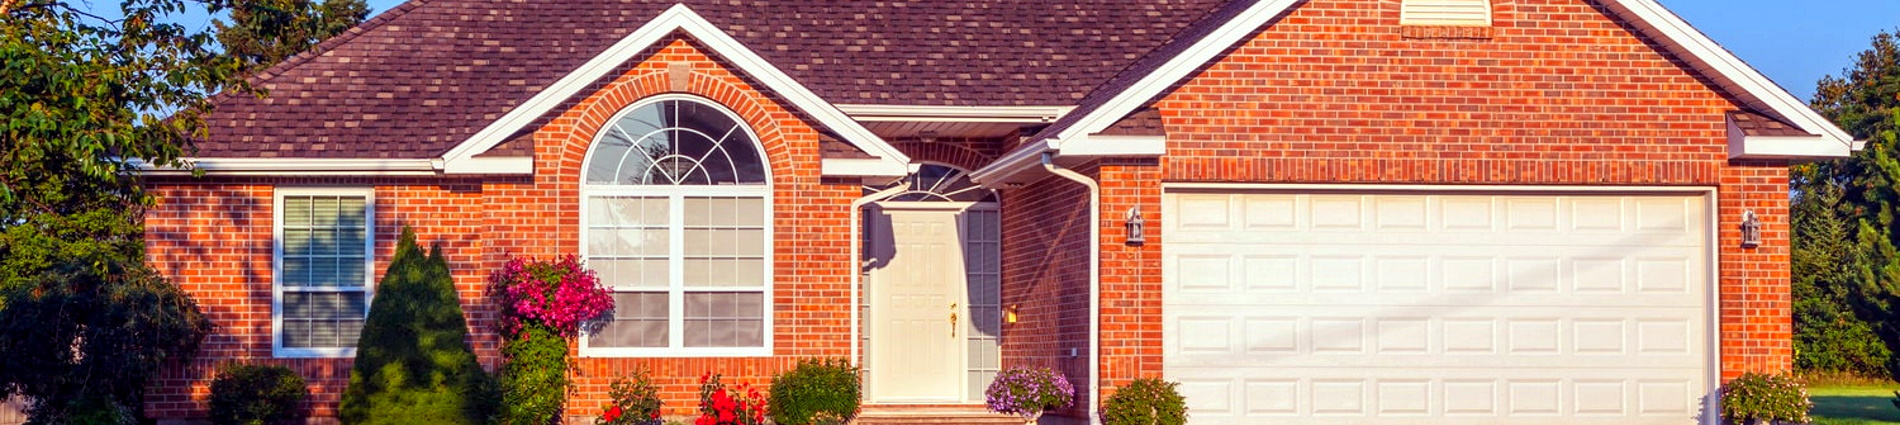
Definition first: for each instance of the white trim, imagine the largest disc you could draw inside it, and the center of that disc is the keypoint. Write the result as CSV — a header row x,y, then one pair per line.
x,y
678,18
489,165
1743,146
1116,145
1461,13
1710,195
277,266
865,167
676,288
924,113
295,166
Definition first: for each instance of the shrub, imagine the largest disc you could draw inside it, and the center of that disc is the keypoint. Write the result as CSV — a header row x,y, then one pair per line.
x,y
413,362
828,387
542,304
256,394
636,401
721,406
1146,401
1757,398
1028,391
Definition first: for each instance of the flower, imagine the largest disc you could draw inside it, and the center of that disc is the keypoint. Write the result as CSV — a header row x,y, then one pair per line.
x,y
1028,391
560,294
613,414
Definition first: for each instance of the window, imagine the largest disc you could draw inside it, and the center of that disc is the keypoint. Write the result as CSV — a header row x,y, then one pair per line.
x,y
322,248
676,215
1458,13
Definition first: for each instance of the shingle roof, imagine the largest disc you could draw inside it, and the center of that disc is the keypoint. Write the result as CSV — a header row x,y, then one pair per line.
x,y
422,77
1754,124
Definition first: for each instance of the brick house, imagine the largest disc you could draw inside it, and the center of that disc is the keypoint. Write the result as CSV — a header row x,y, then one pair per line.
x,y
1312,211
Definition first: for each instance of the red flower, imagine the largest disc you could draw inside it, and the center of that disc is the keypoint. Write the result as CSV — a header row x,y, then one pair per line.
x,y
704,420
613,414
656,414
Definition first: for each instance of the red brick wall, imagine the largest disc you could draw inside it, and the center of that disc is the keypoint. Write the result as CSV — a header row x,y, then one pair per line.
x,y
1336,92
213,236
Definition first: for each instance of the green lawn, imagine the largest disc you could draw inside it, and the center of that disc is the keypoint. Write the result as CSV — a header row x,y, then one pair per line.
x,y
1854,405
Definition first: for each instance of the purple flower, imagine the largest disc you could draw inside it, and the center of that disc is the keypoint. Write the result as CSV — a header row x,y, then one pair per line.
x,y
1028,391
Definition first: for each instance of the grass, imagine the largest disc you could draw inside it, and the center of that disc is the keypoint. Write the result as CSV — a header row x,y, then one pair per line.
x,y
1854,405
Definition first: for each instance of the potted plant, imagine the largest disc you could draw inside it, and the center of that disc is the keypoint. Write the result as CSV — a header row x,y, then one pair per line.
x,y
1028,392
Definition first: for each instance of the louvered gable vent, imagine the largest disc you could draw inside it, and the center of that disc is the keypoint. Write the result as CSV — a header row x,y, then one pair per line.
x,y
1464,13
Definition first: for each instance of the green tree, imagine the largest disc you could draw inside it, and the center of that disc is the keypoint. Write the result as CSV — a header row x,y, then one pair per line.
x,y
1846,268
84,323
262,33
413,361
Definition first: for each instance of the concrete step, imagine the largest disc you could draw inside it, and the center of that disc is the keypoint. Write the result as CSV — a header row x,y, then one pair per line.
x,y
933,415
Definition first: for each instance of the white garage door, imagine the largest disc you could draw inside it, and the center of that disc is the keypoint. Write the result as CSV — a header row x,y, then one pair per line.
x,y
1437,308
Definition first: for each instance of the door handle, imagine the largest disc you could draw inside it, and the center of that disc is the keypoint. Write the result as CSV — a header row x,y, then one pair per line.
x,y
953,320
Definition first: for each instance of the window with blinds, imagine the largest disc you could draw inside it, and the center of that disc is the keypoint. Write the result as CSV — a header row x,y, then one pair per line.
x,y
323,248
1464,13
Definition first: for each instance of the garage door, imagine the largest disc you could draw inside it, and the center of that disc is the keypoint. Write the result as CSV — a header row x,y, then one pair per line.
x,y
1396,308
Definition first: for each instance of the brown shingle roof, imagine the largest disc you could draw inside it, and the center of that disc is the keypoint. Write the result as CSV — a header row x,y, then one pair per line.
x,y
417,80
1754,124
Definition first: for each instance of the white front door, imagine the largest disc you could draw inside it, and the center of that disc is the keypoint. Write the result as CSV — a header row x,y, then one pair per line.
x,y
918,305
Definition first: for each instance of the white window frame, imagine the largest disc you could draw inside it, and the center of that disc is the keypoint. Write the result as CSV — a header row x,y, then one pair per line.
x,y
676,205
277,268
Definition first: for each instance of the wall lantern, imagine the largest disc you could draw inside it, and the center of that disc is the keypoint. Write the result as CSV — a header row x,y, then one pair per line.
x,y
1009,313
1134,224
1751,229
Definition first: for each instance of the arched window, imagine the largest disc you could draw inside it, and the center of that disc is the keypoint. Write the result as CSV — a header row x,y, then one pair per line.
x,y
677,219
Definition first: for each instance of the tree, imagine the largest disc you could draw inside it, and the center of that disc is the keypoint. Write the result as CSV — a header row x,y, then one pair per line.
x,y
1846,266
84,100
413,361
262,33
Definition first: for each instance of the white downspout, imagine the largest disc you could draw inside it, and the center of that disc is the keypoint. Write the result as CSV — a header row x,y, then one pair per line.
x,y
1095,279
858,263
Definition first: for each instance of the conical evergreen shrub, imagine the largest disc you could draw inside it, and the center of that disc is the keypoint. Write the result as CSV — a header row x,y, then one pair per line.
x,y
413,361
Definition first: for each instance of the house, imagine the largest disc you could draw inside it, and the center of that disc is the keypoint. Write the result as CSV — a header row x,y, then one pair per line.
x,y
1312,211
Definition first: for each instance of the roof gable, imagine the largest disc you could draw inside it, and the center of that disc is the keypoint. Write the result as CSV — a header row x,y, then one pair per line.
x,y
886,161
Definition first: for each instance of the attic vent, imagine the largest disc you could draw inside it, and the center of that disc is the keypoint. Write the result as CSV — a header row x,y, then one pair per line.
x,y
1460,13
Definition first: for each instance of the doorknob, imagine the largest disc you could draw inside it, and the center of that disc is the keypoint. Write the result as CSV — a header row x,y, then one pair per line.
x,y
953,320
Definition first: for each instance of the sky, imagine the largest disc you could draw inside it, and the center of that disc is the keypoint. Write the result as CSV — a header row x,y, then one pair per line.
x,y
1794,42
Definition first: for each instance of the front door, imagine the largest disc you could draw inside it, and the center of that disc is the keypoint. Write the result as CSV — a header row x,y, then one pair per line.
x,y
918,304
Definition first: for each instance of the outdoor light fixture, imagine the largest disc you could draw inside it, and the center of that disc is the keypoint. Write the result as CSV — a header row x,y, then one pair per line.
x,y
1134,224
1751,229
1009,313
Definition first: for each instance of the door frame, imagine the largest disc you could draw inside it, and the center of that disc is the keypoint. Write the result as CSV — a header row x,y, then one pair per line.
x,y
872,324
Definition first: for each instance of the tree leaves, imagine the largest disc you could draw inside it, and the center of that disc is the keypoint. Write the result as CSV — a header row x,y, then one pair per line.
x,y
262,33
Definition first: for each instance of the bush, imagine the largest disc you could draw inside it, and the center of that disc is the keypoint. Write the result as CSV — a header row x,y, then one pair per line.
x,y
1028,391
413,362
828,387
542,304
256,395
721,406
1756,398
1146,401
636,401
534,379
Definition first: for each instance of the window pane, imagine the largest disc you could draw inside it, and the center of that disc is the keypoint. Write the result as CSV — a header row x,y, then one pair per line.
x,y
676,142
324,241
296,212
742,273
639,321
324,211
323,319
296,242
725,242
725,319
631,273
605,211
725,212
626,241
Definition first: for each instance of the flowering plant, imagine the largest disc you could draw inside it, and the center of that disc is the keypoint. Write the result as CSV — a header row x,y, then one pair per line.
x,y
558,294
636,401
1755,398
1028,391
721,406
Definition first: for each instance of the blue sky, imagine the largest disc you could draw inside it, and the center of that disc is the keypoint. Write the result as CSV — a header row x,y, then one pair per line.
x,y
1794,42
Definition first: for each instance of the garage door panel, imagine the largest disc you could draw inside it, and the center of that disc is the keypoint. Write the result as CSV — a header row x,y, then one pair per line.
x,y
1426,308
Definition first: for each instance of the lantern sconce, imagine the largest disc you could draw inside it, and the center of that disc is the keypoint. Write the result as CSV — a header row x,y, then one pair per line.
x,y
1751,229
1135,224
1009,313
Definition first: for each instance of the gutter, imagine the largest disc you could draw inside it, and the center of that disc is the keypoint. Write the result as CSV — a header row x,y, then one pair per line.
x,y
1095,279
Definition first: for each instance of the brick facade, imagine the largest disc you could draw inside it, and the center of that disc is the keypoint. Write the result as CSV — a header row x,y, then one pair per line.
x,y
1557,93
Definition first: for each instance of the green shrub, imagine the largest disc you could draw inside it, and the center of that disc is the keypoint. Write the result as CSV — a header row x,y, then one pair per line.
x,y
1147,401
413,362
534,379
1756,398
636,401
815,388
256,395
